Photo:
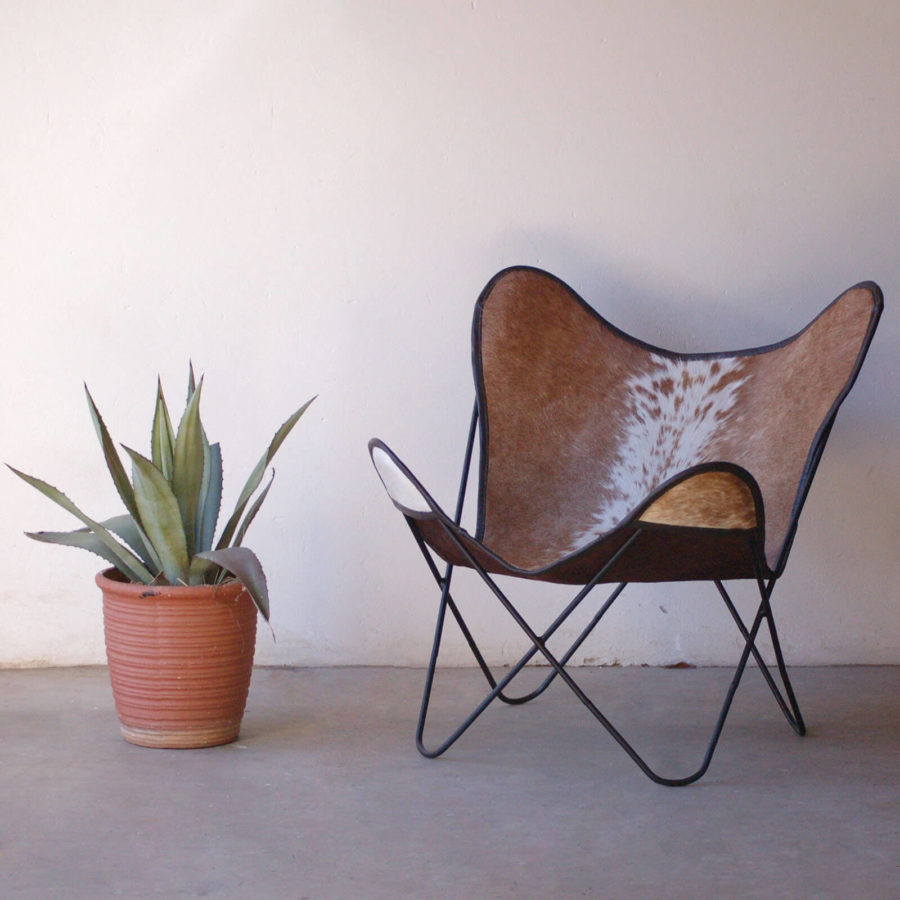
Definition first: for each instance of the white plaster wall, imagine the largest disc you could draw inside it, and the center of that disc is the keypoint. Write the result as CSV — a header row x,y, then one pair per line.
x,y
307,197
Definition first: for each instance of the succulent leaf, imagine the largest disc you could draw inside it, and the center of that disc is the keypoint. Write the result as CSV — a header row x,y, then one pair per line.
x,y
82,538
129,564
113,463
161,517
123,527
162,441
126,528
251,513
256,475
201,495
244,565
211,497
187,474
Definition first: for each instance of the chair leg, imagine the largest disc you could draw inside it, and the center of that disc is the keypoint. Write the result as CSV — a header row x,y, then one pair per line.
x,y
497,688
539,645
485,668
447,602
787,701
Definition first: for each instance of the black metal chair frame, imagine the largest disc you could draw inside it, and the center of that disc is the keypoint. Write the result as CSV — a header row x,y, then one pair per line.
x,y
784,696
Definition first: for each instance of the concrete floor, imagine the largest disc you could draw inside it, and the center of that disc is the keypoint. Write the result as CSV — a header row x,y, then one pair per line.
x,y
325,796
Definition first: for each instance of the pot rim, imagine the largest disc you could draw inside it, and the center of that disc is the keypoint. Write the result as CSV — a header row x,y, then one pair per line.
x,y
112,580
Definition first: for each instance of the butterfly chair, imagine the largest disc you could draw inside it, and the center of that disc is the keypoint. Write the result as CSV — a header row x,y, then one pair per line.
x,y
606,460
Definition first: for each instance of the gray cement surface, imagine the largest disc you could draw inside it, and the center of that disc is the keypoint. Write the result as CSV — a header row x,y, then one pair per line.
x,y
325,796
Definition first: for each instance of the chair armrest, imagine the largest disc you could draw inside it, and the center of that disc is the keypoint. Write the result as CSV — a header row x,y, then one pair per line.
x,y
402,486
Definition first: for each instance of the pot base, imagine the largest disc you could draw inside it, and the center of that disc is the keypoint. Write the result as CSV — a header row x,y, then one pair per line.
x,y
181,740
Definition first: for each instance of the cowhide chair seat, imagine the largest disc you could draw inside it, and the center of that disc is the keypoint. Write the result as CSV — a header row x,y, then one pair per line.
x,y
605,459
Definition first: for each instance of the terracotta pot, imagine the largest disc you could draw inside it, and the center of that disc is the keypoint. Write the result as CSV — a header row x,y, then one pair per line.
x,y
180,660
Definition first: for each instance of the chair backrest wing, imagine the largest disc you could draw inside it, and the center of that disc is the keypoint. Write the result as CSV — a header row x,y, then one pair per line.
x,y
581,422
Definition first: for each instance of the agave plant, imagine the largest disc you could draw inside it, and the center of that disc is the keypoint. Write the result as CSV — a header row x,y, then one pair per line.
x,y
172,505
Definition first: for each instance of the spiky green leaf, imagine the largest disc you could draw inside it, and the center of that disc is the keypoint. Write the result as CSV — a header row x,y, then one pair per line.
x,y
82,538
187,475
204,488
162,439
251,513
210,498
192,384
161,517
244,565
256,476
129,531
126,561
123,527
113,463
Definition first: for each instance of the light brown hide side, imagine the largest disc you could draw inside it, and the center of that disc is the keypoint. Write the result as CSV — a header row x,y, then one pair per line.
x,y
708,500
559,392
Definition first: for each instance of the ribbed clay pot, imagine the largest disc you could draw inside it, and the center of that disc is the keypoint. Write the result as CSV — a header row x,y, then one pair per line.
x,y
180,660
